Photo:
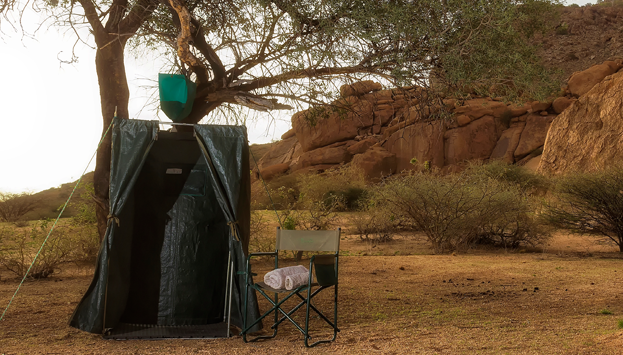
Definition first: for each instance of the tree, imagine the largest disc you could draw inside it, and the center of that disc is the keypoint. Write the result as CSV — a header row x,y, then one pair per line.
x,y
590,203
13,206
275,54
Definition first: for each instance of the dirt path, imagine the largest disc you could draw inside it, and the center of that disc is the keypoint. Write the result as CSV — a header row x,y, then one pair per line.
x,y
566,300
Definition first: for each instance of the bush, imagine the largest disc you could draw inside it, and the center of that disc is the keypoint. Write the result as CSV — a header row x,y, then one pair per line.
x,y
340,189
375,222
260,236
590,203
18,257
459,210
69,242
13,206
514,175
562,29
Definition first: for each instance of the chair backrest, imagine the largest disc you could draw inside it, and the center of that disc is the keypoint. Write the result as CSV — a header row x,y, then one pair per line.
x,y
305,240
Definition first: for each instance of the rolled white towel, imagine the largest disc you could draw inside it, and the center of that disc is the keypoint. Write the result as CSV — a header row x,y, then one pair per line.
x,y
296,280
277,278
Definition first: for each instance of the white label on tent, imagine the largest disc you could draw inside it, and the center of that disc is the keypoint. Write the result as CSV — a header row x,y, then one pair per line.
x,y
174,171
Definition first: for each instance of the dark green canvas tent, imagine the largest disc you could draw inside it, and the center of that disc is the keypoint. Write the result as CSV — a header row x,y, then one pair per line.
x,y
178,233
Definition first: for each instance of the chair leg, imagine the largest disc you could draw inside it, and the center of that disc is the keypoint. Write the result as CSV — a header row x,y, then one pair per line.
x,y
332,324
245,330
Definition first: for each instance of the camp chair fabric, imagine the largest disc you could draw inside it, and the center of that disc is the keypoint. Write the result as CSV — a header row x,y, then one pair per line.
x,y
178,231
323,266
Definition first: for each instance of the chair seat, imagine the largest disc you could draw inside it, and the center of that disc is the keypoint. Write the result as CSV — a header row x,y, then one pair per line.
x,y
265,287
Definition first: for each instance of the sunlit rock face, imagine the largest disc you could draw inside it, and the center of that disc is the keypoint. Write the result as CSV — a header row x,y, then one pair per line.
x,y
588,135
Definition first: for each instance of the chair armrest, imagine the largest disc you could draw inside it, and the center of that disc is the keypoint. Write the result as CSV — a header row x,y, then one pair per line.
x,y
265,253
248,268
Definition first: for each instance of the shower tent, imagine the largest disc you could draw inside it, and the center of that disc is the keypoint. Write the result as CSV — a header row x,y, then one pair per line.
x,y
178,233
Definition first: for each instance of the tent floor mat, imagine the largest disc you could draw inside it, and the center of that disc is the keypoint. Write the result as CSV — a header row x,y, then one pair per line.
x,y
125,331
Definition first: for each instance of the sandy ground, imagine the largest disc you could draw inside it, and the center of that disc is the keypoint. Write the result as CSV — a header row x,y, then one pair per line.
x,y
394,298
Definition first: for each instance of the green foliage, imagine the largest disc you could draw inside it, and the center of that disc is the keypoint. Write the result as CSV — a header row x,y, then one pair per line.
x,y
340,189
464,41
85,209
562,29
620,324
491,48
515,175
605,311
456,211
610,3
590,203
289,223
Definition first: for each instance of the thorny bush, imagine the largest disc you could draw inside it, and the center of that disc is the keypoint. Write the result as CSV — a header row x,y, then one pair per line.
x,y
457,211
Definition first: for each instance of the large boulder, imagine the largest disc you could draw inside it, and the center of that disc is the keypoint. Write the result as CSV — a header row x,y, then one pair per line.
x,y
362,146
475,141
476,108
561,104
359,88
317,128
375,163
505,147
323,156
588,135
271,171
581,82
423,141
283,152
533,135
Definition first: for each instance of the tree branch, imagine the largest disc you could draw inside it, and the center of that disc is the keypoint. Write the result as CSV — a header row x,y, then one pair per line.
x,y
116,13
137,16
98,29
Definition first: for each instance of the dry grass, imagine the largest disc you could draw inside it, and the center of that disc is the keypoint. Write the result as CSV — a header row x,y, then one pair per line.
x,y
395,298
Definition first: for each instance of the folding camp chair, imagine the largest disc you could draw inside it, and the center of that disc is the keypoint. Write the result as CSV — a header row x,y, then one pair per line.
x,y
324,267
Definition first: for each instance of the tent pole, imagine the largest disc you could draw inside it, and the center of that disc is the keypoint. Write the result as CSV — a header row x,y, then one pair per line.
x,y
176,124
227,288
231,283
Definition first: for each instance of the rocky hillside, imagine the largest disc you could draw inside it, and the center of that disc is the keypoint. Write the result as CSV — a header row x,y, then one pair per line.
x,y
388,131
583,37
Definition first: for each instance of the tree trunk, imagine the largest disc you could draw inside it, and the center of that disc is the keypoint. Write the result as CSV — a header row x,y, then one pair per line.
x,y
114,94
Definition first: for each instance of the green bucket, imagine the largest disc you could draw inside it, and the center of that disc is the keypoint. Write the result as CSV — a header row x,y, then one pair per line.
x,y
177,94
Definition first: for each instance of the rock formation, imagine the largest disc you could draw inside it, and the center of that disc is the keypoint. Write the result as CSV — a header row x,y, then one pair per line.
x,y
389,131
589,134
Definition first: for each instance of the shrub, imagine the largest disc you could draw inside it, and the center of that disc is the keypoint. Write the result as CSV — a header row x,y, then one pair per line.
x,y
13,206
562,29
340,189
260,236
284,191
515,175
85,208
18,257
456,211
69,242
375,222
590,203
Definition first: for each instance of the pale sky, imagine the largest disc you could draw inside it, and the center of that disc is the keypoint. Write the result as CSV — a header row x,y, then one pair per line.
x,y
50,118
